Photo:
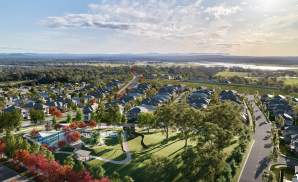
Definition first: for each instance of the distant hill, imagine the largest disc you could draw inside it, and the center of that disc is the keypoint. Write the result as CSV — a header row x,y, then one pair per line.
x,y
22,58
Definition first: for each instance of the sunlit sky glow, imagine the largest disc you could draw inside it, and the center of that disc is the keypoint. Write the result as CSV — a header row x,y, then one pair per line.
x,y
238,27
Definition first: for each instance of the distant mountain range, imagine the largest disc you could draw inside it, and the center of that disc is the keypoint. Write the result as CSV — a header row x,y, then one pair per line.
x,y
11,58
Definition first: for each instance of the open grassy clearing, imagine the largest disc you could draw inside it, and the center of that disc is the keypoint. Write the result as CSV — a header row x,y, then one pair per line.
x,y
290,81
156,148
110,151
228,74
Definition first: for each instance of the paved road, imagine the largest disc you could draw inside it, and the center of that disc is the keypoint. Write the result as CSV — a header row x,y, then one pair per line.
x,y
258,161
7,175
131,83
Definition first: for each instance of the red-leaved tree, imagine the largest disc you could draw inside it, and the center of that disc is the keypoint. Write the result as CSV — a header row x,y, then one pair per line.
x,y
92,124
2,148
73,136
61,143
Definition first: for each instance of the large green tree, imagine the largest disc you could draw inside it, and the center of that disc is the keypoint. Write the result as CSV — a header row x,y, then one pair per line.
x,y
10,120
36,115
165,117
146,120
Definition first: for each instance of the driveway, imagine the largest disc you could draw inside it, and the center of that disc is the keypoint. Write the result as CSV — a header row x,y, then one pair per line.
x,y
258,160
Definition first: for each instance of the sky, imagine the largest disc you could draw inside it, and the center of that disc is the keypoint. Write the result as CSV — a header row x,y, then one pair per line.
x,y
236,27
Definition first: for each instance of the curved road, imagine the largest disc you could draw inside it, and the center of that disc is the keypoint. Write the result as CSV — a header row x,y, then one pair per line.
x,y
257,161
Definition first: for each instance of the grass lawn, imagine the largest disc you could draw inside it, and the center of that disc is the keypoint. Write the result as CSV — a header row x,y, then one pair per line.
x,y
141,156
60,157
290,81
228,74
109,152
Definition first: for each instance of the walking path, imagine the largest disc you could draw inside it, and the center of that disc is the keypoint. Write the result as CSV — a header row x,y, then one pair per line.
x,y
124,161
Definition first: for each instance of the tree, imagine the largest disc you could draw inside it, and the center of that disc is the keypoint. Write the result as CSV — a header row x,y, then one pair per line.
x,y
97,171
2,148
54,121
10,147
128,179
202,163
79,166
99,114
185,120
79,115
73,136
55,112
226,115
146,120
165,117
10,120
268,176
280,121
69,161
68,119
35,148
36,115
61,143
113,115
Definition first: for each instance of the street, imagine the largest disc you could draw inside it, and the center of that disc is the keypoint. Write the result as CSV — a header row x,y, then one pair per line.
x,y
258,159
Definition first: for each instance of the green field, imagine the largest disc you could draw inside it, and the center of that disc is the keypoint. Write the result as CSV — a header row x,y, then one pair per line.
x,y
228,74
290,81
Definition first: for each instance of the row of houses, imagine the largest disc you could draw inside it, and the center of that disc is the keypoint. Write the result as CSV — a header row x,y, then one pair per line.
x,y
136,92
165,94
62,100
279,106
200,98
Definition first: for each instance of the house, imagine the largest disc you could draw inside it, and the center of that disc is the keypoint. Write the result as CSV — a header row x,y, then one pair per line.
x,y
132,115
82,155
288,132
88,110
200,98
278,106
50,137
24,112
295,178
42,107
230,95
289,121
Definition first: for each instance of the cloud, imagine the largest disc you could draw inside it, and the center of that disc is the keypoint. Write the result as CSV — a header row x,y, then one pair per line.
x,y
222,11
154,18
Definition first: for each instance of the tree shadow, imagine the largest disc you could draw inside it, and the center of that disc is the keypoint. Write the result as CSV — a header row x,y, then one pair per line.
x,y
176,151
268,145
262,123
266,137
111,141
263,164
100,153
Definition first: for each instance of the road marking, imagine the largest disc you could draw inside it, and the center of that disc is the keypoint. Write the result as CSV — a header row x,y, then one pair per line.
x,y
253,142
